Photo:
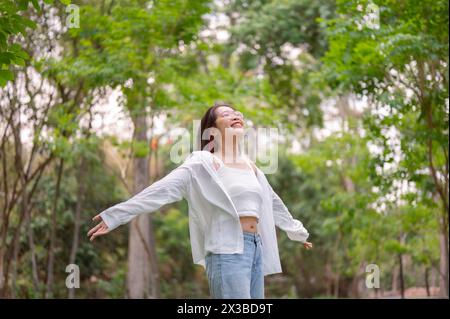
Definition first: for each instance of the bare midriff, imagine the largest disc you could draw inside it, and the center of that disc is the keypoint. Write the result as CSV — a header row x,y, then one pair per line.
x,y
249,224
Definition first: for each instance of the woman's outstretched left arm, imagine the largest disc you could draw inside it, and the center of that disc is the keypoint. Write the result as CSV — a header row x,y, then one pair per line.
x,y
284,220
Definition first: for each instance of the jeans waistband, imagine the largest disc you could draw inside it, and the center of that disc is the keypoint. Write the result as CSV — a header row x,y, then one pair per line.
x,y
252,236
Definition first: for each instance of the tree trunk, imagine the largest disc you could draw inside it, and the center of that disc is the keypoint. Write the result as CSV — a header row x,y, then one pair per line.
x,y
16,240
328,278
354,287
34,267
53,227
402,283
427,284
142,276
14,264
395,280
79,206
443,263
336,285
2,272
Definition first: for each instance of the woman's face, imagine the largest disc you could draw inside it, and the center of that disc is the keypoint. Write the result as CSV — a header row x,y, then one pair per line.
x,y
229,120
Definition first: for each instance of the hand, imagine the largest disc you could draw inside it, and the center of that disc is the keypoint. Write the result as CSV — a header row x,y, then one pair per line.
x,y
98,230
307,245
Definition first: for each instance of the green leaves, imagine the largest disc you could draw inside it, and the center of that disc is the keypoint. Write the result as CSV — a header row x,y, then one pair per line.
x,y
140,148
5,76
13,22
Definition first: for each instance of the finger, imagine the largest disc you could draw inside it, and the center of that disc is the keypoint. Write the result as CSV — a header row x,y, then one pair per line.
x,y
103,229
100,232
97,218
93,236
94,229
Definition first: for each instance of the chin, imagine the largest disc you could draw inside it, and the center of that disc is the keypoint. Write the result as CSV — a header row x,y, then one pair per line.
x,y
238,130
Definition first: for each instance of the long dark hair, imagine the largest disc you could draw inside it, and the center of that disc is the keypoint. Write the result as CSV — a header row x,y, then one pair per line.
x,y
208,121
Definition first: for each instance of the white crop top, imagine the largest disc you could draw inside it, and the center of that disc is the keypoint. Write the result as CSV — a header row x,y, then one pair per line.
x,y
243,188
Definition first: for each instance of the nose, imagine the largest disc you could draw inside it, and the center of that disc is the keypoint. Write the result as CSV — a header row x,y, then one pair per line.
x,y
236,117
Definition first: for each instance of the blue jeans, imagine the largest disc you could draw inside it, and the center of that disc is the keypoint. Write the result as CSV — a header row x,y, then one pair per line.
x,y
240,276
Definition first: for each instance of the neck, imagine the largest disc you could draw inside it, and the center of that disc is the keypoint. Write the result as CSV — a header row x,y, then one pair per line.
x,y
228,149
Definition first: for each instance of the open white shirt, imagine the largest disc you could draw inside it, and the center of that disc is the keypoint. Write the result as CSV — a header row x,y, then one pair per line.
x,y
214,224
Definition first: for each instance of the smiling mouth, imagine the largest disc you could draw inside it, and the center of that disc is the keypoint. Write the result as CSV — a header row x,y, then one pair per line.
x,y
237,125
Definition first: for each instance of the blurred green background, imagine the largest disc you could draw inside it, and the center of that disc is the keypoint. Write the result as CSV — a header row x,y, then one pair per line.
x,y
90,92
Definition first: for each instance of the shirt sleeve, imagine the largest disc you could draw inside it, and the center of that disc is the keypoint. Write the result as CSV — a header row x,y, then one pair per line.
x,y
284,220
169,189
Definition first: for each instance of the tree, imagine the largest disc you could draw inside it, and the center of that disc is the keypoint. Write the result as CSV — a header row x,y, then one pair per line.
x,y
135,45
400,63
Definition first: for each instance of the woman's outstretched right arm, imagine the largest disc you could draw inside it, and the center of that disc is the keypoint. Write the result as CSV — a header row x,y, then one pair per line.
x,y
169,189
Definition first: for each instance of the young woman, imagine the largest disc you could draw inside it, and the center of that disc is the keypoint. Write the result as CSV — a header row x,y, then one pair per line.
x,y
233,210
